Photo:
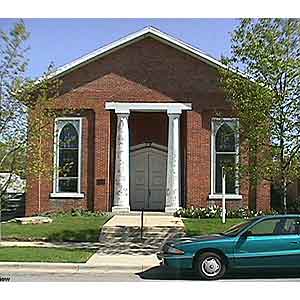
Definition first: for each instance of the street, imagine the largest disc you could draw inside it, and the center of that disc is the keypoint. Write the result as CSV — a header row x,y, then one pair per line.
x,y
154,274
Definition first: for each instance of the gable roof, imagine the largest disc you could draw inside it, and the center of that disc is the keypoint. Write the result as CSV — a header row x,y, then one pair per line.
x,y
132,38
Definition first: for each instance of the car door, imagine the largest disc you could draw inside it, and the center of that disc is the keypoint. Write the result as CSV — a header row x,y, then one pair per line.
x,y
271,242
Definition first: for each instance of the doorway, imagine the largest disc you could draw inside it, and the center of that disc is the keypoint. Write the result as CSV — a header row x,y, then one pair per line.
x,y
148,173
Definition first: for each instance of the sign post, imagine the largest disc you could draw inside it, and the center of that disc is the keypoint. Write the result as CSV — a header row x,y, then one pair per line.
x,y
223,195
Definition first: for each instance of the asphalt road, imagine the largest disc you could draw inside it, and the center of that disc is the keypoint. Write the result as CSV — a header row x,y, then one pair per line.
x,y
154,274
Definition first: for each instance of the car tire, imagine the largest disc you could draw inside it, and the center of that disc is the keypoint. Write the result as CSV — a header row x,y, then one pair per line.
x,y
210,266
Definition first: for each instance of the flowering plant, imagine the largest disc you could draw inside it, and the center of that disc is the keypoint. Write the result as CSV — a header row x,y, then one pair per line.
x,y
215,211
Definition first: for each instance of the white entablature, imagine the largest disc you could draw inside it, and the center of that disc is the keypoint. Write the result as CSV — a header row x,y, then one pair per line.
x,y
126,107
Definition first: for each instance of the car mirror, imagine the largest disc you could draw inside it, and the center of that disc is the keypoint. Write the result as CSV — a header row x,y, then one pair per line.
x,y
247,233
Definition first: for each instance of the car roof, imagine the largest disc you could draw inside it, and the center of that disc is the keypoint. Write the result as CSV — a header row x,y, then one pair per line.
x,y
277,216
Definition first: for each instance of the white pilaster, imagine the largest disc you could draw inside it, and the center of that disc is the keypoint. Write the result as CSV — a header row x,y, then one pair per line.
x,y
173,169
121,191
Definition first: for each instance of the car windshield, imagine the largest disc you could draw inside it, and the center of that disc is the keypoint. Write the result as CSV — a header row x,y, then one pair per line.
x,y
236,229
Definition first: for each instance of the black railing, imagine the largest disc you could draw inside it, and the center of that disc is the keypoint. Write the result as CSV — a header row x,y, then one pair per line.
x,y
142,224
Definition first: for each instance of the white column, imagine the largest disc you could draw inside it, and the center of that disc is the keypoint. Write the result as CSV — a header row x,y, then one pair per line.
x,y
173,169
121,191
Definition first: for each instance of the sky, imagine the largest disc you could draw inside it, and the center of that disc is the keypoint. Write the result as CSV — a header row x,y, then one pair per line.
x,y
63,40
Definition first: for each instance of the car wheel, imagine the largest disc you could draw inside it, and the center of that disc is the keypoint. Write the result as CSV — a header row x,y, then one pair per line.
x,y
210,266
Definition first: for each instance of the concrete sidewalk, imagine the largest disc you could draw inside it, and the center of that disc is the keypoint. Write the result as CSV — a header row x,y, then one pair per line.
x,y
69,245
118,251
115,263
98,264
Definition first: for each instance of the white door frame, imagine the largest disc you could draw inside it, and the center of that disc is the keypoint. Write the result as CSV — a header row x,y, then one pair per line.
x,y
123,109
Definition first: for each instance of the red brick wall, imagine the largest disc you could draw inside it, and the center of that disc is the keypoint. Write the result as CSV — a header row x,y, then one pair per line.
x,y
146,71
263,196
57,204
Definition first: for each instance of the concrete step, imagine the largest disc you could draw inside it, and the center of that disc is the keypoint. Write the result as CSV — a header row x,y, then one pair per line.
x,y
145,227
146,213
146,236
136,246
122,234
157,230
158,233
138,234
137,240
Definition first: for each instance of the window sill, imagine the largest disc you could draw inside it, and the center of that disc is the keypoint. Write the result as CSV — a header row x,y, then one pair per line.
x,y
227,197
67,195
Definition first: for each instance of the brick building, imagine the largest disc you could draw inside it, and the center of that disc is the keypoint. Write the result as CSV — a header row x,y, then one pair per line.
x,y
150,130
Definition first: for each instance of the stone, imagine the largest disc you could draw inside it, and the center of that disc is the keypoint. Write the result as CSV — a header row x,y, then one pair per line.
x,y
34,220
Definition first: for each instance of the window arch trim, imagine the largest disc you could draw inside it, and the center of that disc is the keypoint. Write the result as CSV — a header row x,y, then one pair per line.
x,y
63,127
60,123
225,125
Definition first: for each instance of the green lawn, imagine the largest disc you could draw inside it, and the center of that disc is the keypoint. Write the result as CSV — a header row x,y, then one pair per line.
x,y
207,226
63,228
36,254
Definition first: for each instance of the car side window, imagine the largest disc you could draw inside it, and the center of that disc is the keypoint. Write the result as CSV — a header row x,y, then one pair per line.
x,y
278,226
290,226
266,227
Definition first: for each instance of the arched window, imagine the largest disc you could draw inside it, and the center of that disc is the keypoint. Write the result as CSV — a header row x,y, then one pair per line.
x,y
225,139
68,137
225,155
68,156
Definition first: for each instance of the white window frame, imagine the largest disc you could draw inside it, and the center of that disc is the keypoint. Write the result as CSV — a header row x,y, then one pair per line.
x,y
56,193
216,123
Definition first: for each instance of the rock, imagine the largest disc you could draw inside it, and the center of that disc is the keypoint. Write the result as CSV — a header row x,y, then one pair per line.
x,y
33,220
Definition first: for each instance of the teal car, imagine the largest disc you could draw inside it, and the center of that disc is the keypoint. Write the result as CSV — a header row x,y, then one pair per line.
x,y
259,243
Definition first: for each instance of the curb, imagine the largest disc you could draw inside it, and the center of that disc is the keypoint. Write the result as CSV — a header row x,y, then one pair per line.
x,y
70,268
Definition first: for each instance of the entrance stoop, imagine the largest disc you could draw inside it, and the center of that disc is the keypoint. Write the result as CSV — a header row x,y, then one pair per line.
x,y
146,213
122,234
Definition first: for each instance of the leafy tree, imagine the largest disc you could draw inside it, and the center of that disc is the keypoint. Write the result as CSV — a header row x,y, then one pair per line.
x,y
27,109
265,96
39,98
13,65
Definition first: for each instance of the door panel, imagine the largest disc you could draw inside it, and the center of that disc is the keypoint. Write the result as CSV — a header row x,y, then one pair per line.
x,y
271,243
138,181
157,181
148,169
268,251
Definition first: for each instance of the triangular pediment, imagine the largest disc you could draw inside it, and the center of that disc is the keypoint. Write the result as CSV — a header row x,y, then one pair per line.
x,y
133,38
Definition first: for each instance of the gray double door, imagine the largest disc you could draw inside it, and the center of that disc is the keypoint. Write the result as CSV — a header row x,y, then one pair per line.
x,y
148,168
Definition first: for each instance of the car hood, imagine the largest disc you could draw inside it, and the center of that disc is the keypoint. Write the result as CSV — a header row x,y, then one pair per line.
x,y
200,238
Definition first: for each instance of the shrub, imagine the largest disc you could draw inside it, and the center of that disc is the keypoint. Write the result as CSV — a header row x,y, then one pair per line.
x,y
216,212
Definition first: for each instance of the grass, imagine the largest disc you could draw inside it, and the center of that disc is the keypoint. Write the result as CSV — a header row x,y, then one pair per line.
x,y
207,226
38,254
63,228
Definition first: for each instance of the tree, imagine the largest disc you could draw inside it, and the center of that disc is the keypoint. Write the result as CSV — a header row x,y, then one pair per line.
x,y
27,108
265,96
13,65
39,98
